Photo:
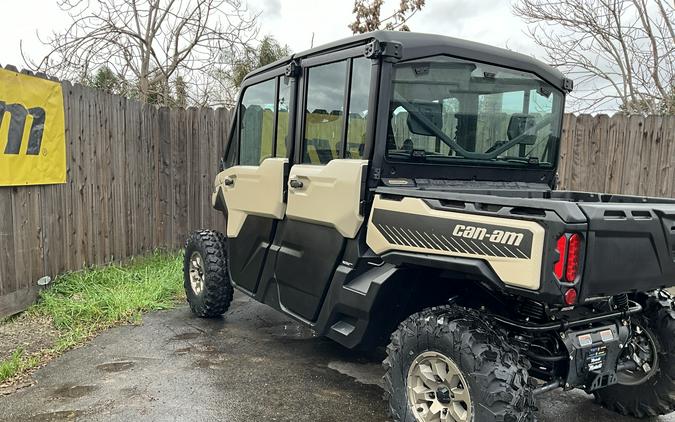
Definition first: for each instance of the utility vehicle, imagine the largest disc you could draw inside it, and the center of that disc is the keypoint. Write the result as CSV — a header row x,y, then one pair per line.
x,y
400,187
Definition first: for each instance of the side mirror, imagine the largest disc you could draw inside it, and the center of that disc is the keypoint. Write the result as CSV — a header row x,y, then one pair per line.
x,y
432,111
518,125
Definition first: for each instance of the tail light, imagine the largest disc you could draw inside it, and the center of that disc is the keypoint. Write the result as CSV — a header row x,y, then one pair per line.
x,y
566,267
573,250
570,297
562,252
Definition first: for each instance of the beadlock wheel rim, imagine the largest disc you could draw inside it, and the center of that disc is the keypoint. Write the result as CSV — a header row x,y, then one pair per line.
x,y
196,273
647,365
430,376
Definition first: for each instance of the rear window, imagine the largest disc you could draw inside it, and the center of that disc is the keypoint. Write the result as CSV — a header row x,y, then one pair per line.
x,y
450,110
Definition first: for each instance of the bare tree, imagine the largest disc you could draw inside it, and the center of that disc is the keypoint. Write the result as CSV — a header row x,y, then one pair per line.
x,y
619,51
150,42
368,15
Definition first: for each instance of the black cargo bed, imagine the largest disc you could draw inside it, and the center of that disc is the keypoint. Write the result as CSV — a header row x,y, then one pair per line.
x,y
630,247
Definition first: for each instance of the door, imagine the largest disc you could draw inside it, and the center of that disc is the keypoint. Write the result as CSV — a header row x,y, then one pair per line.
x,y
326,185
253,186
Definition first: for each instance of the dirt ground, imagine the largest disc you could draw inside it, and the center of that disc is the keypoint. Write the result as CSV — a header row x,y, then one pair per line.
x,y
29,333
254,364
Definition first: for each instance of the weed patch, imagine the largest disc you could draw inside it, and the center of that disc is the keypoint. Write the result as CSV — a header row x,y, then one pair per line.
x,y
16,364
85,302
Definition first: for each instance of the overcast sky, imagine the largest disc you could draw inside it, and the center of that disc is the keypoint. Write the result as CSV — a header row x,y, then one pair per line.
x,y
486,21
294,21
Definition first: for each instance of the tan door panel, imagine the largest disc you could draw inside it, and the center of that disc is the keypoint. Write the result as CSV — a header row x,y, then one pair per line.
x,y
330,195
252,190
512,247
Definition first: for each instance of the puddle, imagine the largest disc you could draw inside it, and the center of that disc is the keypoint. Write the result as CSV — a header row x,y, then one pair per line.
x,y
368,373
129,391
206,349
73,391
293,331
212,360
116,366
61,415
186,336
203,364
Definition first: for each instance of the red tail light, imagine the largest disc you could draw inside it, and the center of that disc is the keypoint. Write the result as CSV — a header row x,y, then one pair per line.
x,y
570,297
573,250
566,267
560,264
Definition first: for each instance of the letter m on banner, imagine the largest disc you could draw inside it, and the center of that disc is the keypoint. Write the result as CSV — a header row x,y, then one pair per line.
x,y
32,130
16,127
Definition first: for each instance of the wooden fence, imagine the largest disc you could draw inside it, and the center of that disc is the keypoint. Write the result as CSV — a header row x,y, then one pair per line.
x,y
619,154
140,178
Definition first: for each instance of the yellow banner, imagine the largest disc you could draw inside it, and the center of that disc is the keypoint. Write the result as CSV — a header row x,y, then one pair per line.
x,y
32,131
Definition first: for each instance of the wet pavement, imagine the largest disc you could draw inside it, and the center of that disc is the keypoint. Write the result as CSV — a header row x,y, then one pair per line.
x,y
252,365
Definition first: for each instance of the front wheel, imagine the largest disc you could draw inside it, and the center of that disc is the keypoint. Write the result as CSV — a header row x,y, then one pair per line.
x,y
206,280
445,364
649,389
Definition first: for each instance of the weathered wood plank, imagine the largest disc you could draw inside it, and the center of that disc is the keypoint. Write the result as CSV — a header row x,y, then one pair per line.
x,y
596,165
193,169
205,163
615,153
51,213
105,179
77,255
117,174
27,229
649,158
164,196
180,177
16,301
632,152
7,244
665,178
133,161
565,157
87,237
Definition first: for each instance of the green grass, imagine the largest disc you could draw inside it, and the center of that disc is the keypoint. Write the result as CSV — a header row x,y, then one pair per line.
x,y
16,364
83,303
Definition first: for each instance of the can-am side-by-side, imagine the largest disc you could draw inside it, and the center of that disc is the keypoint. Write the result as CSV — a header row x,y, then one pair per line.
x,y
400,188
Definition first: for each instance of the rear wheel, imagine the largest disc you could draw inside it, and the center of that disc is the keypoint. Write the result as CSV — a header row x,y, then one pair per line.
x,y
206,280
648,389
445,364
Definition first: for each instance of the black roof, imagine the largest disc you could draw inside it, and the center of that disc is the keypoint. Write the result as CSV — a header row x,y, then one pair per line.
x,y
416,45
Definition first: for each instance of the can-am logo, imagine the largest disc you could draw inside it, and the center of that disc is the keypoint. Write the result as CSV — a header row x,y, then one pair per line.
x,y
496,236
454,235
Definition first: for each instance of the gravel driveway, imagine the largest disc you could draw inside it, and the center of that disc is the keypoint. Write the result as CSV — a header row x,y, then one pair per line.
x,y
254,365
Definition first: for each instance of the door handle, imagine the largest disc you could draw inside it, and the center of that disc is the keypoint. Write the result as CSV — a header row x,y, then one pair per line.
x,y
296,184
228,182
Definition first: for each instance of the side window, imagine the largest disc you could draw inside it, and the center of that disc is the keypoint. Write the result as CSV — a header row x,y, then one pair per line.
x,y
358,107
256,121
324,113
283,116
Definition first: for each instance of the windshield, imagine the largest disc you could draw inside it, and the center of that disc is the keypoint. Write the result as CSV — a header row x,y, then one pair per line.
x,y
450,110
